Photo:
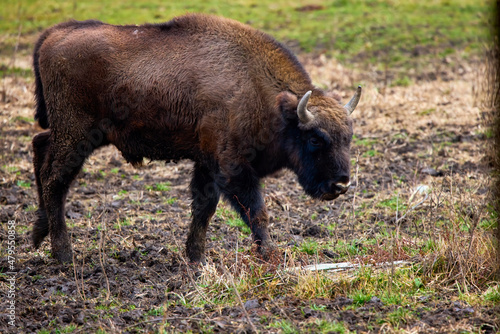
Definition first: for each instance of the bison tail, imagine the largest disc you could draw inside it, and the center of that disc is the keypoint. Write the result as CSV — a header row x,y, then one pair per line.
x,y
41,108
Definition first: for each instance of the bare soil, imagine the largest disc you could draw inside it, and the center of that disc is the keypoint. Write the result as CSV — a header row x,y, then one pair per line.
x,y
128,225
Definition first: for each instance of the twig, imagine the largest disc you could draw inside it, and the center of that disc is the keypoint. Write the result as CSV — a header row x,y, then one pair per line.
x,y
412,208
231,280
284,314
188,270
351,225
101,256
159,319
247,211
80,292
16,47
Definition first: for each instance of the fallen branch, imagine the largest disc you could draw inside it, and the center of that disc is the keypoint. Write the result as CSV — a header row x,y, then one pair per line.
x,y
344,266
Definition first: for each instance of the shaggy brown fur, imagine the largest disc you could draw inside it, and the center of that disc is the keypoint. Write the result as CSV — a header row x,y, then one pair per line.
x,y
199,87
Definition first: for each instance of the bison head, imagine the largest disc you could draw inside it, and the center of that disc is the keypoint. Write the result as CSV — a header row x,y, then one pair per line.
x,y
317,141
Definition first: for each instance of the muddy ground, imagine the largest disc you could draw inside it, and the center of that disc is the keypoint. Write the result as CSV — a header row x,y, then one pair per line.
x,y
128,225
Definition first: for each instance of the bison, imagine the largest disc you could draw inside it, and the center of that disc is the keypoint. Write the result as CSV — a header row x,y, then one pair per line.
x,y
199,87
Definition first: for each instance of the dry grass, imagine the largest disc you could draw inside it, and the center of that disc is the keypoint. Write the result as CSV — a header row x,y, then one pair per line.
x,y
448,238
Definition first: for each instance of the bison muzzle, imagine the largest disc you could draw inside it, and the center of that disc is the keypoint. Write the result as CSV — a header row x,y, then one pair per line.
x,y
199,87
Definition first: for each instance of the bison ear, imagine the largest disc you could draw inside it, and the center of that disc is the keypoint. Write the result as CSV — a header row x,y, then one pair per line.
x,y
287,104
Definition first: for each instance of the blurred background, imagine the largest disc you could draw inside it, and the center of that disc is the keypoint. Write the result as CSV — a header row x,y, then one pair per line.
x,y
403,37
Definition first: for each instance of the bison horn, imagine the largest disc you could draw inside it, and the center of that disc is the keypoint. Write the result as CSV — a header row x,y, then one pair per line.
x,y
351,105
305,116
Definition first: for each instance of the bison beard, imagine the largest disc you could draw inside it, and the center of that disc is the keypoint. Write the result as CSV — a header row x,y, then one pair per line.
x,y
198,87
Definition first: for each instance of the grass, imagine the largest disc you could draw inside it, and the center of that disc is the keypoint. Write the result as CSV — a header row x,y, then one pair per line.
x,y
399,316
404,286
325,326
232,219
492,295
385,33
157,311
23,184
360,297
309,247
161,186
447,239
393,203
285,327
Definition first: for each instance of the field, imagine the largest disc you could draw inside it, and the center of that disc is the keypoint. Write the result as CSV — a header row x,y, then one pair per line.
x,y
416,227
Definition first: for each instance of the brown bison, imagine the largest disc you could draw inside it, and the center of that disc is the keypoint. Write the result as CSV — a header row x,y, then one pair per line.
x,y
209,89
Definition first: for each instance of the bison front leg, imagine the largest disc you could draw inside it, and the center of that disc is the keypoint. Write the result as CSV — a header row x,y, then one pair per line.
x,y
206,196
246,198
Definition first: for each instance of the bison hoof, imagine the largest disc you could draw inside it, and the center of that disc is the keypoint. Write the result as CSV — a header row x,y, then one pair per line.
x,y
268,252
195,255
64,255
197,260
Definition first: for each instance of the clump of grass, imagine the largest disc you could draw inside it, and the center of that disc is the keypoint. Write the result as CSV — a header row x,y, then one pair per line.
x,y
399,316
309,247
326,326
360,297
285,326
492,295
23,184
160,186
468,261
232,219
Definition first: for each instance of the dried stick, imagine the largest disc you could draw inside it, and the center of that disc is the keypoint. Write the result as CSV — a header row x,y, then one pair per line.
x,y
101,256
231,280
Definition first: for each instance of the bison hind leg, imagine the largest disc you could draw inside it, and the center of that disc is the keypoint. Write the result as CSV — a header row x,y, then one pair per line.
x,y
41,228
66,154
41,143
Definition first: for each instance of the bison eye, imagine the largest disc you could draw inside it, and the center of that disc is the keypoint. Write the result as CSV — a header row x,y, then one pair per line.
x,y
315,141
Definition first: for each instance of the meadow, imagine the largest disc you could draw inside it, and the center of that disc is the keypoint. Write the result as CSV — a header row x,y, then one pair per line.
x,y
414,234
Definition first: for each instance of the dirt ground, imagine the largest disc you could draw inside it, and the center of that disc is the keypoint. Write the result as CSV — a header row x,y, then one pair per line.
x,y
128,225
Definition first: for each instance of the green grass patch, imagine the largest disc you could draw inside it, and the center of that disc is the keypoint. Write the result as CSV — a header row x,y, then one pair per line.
x,y
376,31
121,223
370,153
368,142
403,81
394,203
31,208
10,169
285,326
23,184
171,200
14,71
23,119
232,219
156,311
122,192
492,295
309,247
398,317
162,186
328,326
351,248
360,298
